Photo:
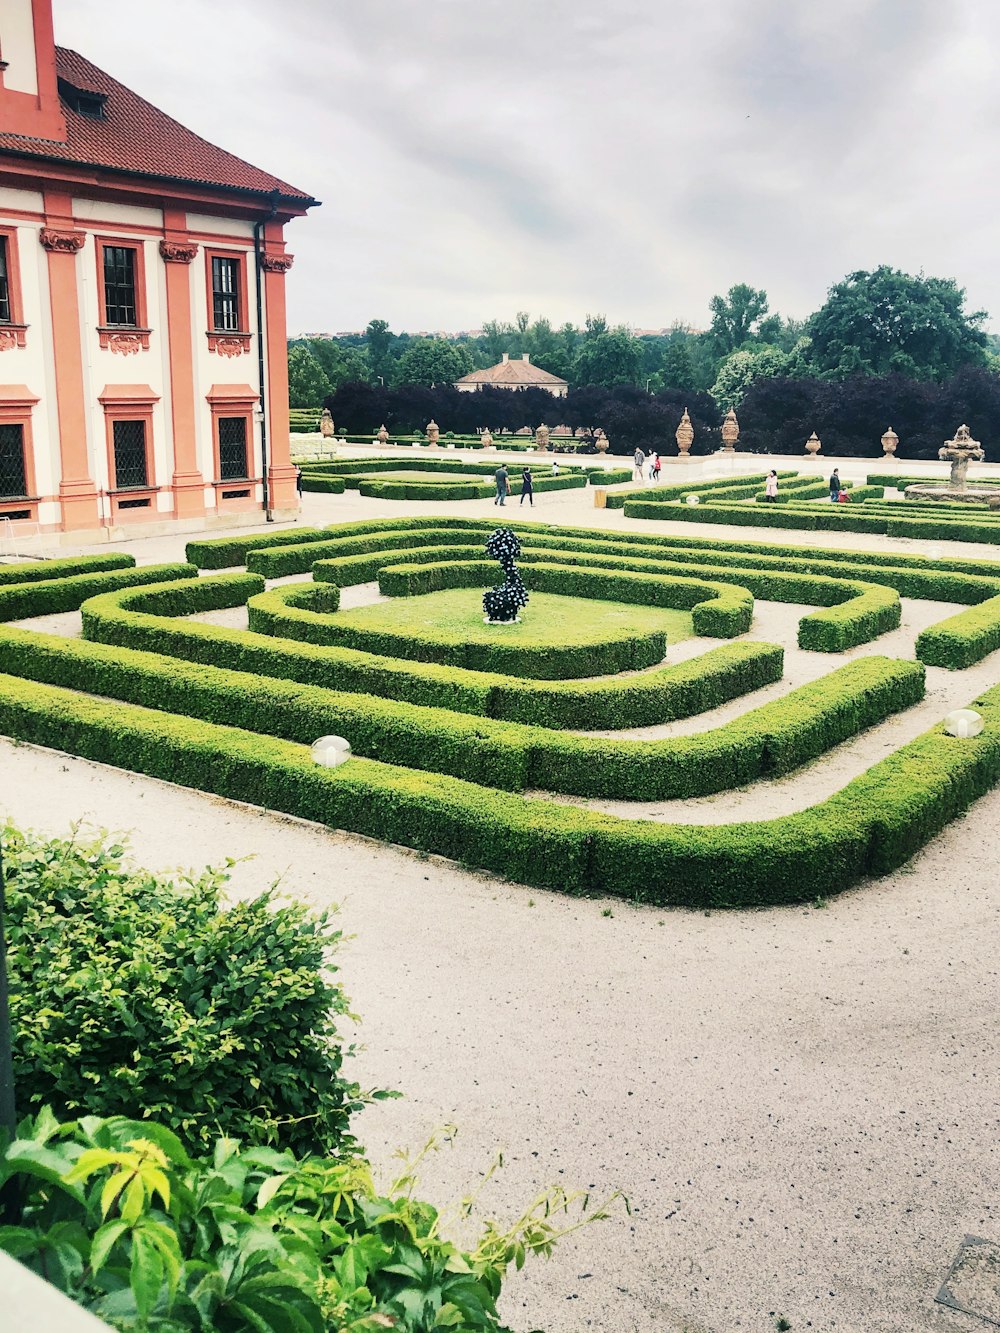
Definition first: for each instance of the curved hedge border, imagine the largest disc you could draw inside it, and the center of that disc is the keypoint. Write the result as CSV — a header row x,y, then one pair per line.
x,y
766,742
295,614
35,571
136,620
226,552
962,640
470,490
872,825
22,601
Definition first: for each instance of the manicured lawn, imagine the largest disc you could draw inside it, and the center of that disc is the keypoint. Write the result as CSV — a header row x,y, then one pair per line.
x,y
557,637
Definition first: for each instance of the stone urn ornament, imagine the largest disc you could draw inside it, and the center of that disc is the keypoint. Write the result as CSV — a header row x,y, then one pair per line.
x,y
730,432
383,435
684,435
890,443
433,431
542,437
486,439
601,441
326,428
813,445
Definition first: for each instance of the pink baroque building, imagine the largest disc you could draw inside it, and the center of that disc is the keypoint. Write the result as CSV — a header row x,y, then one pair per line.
x,y
143,368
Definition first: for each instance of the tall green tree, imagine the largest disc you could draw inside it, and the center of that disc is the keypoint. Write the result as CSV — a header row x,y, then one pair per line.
x,y
889,321
497,336
307,384
609,358
739,370
433,361
378,340
677,367
340,362
741,316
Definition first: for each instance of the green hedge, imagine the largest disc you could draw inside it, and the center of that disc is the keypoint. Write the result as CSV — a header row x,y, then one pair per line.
x,y
727,487
327,485
469,490
720,612
36,571
888,479
962,640
136,620
293,614
872,825
21,601
225,552
765,742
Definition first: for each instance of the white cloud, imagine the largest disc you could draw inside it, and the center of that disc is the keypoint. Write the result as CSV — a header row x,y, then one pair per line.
x,y
565,156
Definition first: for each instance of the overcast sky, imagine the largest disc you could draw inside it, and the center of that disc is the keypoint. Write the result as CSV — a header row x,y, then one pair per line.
x,y
480,157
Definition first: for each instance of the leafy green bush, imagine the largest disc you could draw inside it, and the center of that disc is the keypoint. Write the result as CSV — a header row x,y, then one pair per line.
x,y
21,601
313,482
120,1218
661,695
136,995
873,824
33,571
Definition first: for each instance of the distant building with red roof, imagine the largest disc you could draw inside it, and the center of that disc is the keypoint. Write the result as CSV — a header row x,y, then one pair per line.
x,y
508,374
143,370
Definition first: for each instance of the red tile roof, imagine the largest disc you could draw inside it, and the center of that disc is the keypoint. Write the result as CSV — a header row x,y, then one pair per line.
x,y
135,137
513,374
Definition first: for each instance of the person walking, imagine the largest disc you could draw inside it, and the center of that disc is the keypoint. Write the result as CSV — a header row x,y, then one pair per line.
x,y
298,480
771,487
834,486
503,482
527,487
555,467
656,468
638,460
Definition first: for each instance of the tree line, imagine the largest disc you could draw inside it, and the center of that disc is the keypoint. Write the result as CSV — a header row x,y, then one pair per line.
x,y
885,347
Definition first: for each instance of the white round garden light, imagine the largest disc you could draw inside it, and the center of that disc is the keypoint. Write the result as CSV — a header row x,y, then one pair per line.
x,y
963,723
693,500
329,751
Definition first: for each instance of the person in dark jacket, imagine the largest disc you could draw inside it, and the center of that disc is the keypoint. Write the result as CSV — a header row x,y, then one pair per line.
x,y
834,486
527,487
502,484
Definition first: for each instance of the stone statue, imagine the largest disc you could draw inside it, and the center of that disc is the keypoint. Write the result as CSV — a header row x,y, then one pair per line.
x,y
730,432
542,437
486,439
326,427
383,435
890,442
684,435
433,430
814,444
502,603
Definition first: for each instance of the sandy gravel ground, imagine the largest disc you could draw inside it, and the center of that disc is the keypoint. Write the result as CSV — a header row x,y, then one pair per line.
x,y
800,1103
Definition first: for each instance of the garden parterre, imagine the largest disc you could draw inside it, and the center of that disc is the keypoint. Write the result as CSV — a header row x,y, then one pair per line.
x,y
444,753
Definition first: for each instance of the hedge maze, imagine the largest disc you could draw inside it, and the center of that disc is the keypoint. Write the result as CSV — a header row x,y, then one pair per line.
x,y
444,479
486,745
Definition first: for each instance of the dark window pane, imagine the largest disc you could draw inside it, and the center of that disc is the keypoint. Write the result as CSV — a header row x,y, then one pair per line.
x,y
13,481
225,293
4,283
119,285
232,448
130,455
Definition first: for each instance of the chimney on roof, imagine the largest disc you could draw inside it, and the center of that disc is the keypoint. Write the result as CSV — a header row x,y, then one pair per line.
x,y
506,358
526,357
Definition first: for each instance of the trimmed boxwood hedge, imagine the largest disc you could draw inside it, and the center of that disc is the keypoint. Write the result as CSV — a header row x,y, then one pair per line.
x,y
962,640
312,482
226,552
298,613
872,825
469,490
136,620
765,742
22,601
35,571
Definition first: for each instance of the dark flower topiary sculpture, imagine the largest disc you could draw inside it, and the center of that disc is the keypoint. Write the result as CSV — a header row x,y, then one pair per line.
x,y
502,603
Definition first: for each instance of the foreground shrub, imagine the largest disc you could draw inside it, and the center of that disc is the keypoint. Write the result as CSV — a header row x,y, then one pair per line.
x,y
119,1217
137,995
